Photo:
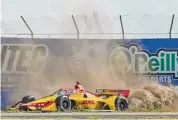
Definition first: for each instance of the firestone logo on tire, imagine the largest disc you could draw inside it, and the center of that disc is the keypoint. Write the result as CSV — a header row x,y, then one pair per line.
x,y
163,63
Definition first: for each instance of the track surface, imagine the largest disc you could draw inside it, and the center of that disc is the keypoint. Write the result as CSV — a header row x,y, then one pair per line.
x,y
84,115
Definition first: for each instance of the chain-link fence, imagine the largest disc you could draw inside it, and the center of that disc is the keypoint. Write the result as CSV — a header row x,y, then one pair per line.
x,y
93,26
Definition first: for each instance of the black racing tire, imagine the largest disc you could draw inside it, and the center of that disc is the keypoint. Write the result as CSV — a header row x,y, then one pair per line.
x,y
24,108
28,98
73,105
63,103
121,104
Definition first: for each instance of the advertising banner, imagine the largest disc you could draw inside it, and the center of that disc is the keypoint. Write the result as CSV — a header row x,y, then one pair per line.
x,y
155,59
24,59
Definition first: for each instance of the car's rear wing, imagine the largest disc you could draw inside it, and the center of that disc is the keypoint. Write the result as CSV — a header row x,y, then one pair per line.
x,y
118,92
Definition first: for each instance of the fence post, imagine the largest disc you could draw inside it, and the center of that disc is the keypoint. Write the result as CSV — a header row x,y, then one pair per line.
x,y
170,31
122,26
76,26
27,26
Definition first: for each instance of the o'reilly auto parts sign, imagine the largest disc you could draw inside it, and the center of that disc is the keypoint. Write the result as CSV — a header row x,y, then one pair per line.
x,y
162,65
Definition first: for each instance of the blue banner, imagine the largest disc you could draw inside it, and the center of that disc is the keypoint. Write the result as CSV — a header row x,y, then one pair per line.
x,y
154,58
21,58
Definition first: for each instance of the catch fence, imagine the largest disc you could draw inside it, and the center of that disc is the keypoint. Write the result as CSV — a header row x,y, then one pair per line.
x,y
93,26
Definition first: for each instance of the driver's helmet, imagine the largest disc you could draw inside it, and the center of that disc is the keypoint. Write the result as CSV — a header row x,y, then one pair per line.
x,y
78,82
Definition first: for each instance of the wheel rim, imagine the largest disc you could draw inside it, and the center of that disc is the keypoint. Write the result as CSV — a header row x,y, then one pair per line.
x,y
65,104
122,105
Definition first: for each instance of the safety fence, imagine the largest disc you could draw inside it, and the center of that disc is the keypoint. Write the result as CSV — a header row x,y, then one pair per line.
x,y
93,26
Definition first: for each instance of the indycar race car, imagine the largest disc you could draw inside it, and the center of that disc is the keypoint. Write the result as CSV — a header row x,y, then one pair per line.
x,y
68,99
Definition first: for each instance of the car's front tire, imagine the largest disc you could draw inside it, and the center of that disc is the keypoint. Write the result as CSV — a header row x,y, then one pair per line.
x,y
26,99
63,103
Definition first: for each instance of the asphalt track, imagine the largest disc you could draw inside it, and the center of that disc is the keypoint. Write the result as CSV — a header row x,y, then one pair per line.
x,y
87,114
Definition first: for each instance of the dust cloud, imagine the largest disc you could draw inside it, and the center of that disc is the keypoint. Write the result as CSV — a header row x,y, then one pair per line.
x,y
153,96
93,71
89,65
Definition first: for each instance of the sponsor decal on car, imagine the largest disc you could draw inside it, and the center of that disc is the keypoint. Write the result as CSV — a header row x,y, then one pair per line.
x,y
88,102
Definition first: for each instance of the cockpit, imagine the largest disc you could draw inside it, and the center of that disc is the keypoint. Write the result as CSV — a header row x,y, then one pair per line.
x,y
64,92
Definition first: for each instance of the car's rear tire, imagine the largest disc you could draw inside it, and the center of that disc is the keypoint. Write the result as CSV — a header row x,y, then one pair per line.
x,y
63,103
121,104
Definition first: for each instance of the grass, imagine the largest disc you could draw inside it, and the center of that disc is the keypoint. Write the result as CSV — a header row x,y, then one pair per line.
x,y
95,118
166,109
129,110
100,118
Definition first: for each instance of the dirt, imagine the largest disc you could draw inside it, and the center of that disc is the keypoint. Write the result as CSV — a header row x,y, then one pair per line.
x,y
153,96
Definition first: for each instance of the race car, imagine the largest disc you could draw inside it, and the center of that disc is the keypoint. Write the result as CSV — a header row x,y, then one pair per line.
x,y
68,100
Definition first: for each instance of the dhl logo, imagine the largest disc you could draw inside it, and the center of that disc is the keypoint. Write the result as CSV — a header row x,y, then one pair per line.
x,y
88,102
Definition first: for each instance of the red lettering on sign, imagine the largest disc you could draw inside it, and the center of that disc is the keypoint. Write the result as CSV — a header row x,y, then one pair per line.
x,y
88,102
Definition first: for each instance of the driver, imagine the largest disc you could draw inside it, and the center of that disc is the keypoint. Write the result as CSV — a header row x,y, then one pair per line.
x,y
78,87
